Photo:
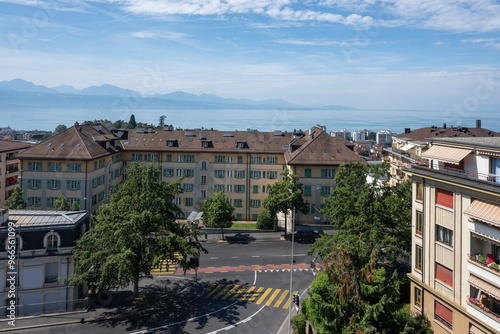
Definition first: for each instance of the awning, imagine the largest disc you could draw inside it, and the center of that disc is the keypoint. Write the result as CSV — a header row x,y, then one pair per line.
x,y
484,286
484,211
407,147
11,179
475,330
447,154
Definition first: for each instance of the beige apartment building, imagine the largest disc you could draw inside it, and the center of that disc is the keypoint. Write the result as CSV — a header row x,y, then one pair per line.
x,y
86,163
9,167
455,278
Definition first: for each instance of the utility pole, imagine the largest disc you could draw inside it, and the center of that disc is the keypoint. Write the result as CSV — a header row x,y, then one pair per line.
x,y
291,274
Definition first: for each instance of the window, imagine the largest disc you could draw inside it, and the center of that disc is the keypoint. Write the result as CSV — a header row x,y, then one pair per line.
x,y
307,190
418,297
189,158
51,272
272,174
179,158
230,173
203,179
444,198
188,172
327,173
54,167
204,165
53,184
219,173
116,158
220,158
35,166
170,143
307,172
239,188
51,241
218,187
420,191
101,163
230,160
238,216
444,274
189,202
73,185
326,191
263,189
240,159
50,201
255,189
34,201
229,188
239,174
255,174
75,167
136,157
255,216
443,314
34,184
151,157
419,223
272,160
205,144
418,257
169,157
238,203
94,199
255,203
177,201
241,144
256,160
313,208
187,187
168,172
203,194
444,235
179,172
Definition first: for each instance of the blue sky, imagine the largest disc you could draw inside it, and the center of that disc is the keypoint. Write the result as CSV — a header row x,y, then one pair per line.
x,y
374,54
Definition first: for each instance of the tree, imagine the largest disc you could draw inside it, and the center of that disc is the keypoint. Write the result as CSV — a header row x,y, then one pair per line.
x,y
60,128
132,124
74,207
218,212
119,123
62,204
265,220
285,195
134,232
15,200
162,121
368,215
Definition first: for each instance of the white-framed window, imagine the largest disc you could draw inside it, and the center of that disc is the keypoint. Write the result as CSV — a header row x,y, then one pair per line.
x,y
135,157
230,173
55,167
273,160
51,272
34,201
188,172
74,166
329,173
256,160
203,165
203,179
179,172
187,187
220,158
169,172
203,194
444,235
229,188
218,187
256,174
239,188
240,174
34,184
170,143
35,166
179,158
52,241
230,160
74,185
178,201
241,145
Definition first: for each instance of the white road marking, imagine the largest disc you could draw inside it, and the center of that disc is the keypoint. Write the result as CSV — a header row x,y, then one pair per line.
x,y
255,255
235,257
151,330
236,324
255,279
294,255
213,258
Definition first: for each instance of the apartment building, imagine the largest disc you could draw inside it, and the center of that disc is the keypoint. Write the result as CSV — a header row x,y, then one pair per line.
x,y
43,257
9,167
455,278
407,147
83,164
315,159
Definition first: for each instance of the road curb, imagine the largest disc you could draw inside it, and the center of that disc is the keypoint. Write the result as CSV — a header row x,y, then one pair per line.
x,y
40,326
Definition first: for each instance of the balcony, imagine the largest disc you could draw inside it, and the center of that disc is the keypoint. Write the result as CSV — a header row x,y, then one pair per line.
x,y
481,309
411,158
478,266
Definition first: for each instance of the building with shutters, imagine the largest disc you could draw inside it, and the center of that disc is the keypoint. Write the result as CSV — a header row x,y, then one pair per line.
x,y
9,167
455,276
43,258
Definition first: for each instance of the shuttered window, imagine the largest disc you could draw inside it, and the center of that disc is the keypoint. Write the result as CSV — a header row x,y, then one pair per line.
x,y
443,314
444,198
444,274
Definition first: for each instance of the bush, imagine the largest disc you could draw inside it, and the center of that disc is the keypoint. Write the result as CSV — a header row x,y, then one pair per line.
x,y
265,221
299,324
494,265
482,259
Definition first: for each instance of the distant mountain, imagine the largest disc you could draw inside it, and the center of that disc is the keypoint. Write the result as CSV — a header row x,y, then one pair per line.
x,y
21,93
20,85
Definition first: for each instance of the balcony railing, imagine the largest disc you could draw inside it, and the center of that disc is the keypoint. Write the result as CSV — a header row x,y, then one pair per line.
x,y
477,305
468,174
412,158
483,264
444,322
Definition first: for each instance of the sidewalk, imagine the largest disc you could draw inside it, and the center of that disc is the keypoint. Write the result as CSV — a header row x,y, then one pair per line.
x,y
153,298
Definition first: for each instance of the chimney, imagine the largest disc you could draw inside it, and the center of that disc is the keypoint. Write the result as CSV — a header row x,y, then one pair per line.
x,y
140,129
165,127
407,130
478,123
444,125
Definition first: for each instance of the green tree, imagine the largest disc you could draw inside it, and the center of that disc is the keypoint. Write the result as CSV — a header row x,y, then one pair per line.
x,y
368,215
162,121
265,220
15,200
285,195
62,204
60,128
74,207
134,232
119,123
132,124
218,212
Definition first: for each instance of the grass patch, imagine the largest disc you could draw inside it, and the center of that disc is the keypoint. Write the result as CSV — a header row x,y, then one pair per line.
x,y
244,226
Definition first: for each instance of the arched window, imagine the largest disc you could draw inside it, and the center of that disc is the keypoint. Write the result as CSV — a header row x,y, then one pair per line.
x,y
52,241
203,165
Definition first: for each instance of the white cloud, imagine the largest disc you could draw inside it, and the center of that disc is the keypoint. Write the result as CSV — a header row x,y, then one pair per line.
x,y
491,42
320,42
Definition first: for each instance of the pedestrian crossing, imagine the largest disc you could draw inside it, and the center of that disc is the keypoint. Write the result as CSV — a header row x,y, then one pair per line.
x,y
251,294
167,267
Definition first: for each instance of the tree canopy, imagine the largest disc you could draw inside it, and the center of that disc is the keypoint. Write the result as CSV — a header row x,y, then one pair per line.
x,y
132,124
368,214
285,195
15,200
218,212
60,128
134,232
62,204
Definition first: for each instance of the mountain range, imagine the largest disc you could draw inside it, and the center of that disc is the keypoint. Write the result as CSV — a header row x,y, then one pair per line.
x,y
22,93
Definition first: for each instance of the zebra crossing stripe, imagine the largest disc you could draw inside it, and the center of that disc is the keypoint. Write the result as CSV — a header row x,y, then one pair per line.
x,y
247,293
287,304
255,295
280,300
222,291
264,295
230,292
270,300
240,291
214,290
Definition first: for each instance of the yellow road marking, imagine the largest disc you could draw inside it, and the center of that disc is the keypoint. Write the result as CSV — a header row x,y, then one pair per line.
x,y
264,295
270,300
255,295
287,304
243,288
213,290
222,291
283,295
230,292
247,293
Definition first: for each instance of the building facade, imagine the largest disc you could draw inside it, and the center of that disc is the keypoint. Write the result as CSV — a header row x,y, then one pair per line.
x,y
9,167
384,136
43,257
455,279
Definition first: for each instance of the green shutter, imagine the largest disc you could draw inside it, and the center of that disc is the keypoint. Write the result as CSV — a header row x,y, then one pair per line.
x,y
276,160
48,184
67,184
29,184
268,160
59,167
243,174
68,167
30,166
183,172
58,184
322,191
243,189
258,203
268,174
169,157
260,160
224,159
255,189
215,158
322,172
49,167
240,159
78,185
95,165
333,173
48,201
79,167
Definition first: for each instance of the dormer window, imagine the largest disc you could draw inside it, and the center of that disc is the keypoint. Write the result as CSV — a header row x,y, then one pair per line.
x,y
52,241
241,144
170,143
205,144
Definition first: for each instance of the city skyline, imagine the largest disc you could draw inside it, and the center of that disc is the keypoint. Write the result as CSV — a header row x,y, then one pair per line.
x,y
431,55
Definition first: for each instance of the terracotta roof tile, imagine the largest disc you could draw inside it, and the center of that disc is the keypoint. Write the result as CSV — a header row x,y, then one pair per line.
x,y
436,132
7,145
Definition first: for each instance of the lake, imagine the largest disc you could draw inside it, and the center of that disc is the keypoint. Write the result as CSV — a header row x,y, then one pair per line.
x,y
263,120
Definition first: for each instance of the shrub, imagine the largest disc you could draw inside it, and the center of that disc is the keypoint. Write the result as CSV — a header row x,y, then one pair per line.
x,y
494,265
482,259
299,324
265,221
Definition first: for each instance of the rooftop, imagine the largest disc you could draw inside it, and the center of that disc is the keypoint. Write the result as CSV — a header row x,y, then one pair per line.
x,y
36,219
8,145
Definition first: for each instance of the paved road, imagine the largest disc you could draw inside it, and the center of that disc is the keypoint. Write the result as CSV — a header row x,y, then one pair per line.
x,y
246,289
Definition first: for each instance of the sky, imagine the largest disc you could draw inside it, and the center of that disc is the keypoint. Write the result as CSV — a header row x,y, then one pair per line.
x,y
371,54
